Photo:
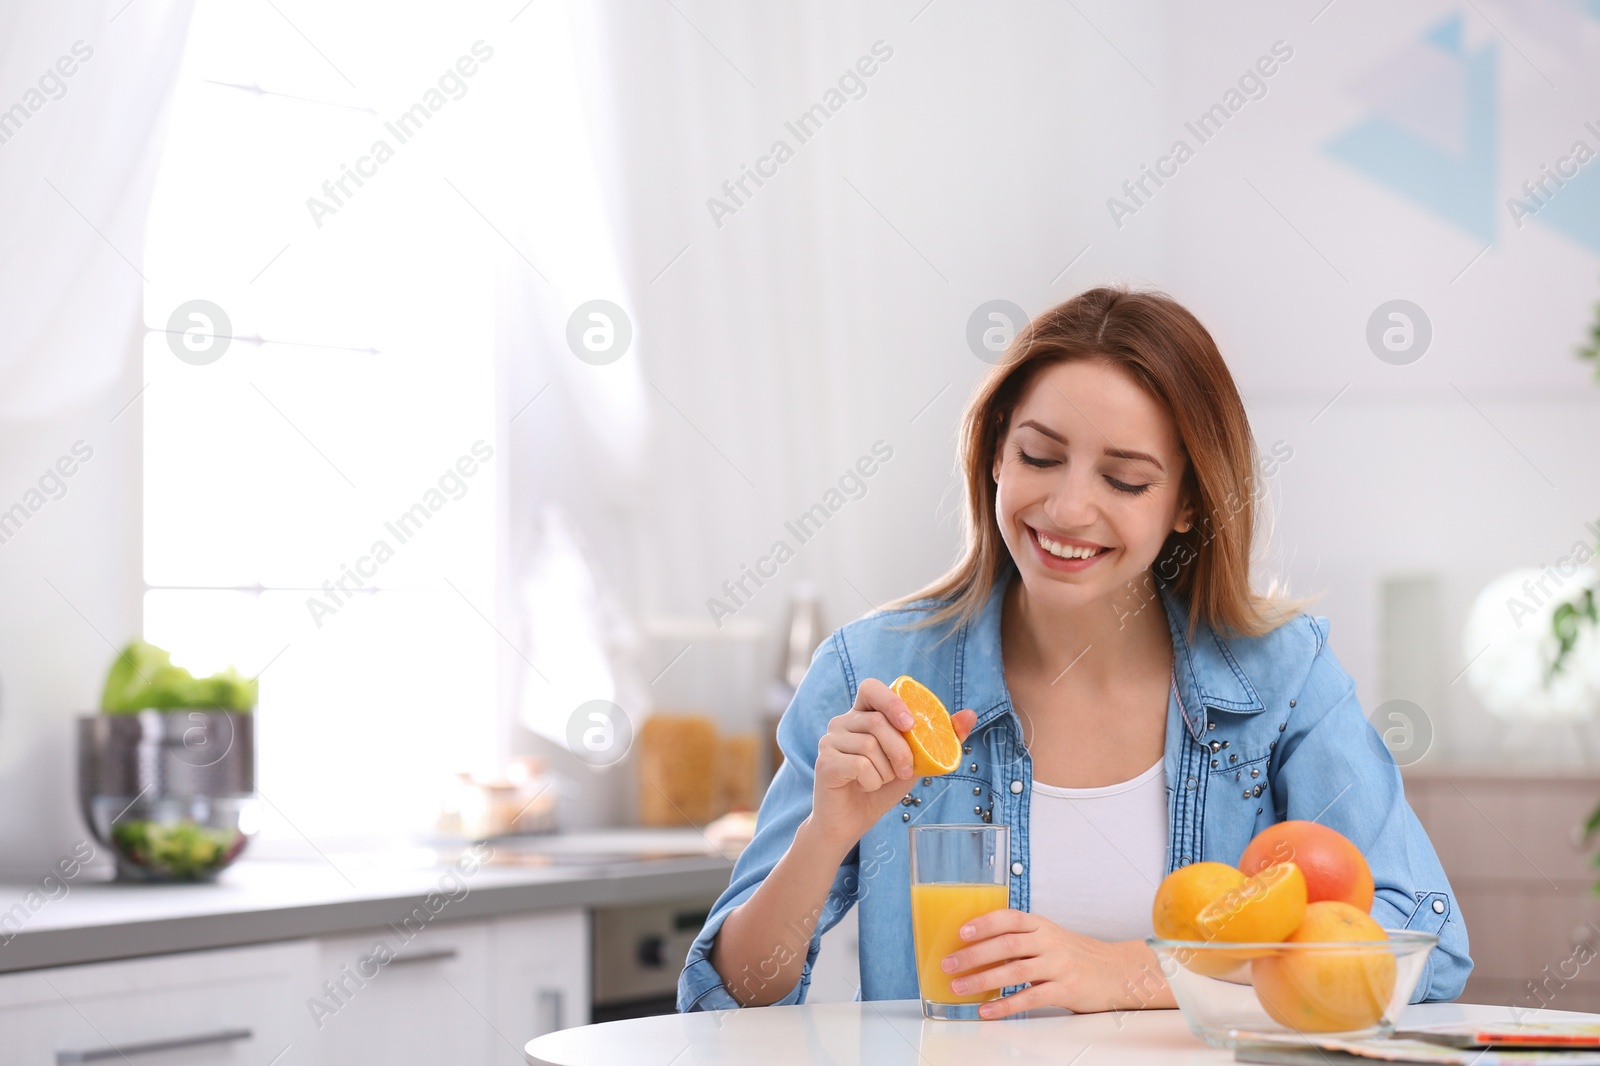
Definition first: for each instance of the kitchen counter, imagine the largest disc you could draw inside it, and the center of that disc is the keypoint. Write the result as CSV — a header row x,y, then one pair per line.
x,y
257,901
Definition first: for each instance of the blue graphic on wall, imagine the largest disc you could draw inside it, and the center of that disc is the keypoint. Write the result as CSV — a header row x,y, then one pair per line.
x,y
1574,209
1432,132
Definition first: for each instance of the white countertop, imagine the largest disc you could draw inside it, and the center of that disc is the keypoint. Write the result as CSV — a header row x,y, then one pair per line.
x,y
256,901
894,1033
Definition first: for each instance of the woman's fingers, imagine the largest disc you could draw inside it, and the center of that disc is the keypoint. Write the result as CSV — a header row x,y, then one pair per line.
x,y
995,937
888,739
963,721
1014,972
879,713
867,747
998,948
1026,999
837,767
874,695
872,730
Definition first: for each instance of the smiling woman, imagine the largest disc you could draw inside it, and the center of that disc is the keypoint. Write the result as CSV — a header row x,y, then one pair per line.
x,y
1109,465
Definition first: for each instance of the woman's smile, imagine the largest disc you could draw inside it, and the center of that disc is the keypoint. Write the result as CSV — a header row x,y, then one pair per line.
x,y
1066,554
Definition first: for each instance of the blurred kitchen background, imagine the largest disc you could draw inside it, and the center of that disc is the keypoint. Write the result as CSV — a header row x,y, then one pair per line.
x,y
576,308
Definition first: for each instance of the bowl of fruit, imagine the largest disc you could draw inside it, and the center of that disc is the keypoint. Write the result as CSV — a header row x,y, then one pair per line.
x,y
1283,946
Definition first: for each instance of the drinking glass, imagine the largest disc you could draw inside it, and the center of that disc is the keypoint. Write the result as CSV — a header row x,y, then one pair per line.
x,y
957,873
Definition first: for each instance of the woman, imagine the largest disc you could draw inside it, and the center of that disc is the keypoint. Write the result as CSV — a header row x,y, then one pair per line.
x,y
1130,704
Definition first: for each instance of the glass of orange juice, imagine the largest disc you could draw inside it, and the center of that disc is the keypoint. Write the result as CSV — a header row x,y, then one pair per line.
x,y
957,873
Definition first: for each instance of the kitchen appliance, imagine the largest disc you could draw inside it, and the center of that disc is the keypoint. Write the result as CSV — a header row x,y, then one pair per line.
x,y
170,793
638,953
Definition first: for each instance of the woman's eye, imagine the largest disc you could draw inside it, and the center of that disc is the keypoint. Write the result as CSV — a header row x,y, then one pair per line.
x,y
1031,460
1132,490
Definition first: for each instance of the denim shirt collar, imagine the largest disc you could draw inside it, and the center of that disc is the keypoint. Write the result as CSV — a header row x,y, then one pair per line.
x,y
1205,674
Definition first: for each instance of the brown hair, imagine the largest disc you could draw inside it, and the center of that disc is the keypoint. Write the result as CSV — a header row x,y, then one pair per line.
x,y
1170,354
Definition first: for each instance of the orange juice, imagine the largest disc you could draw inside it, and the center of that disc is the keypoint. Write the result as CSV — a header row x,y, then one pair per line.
x,y
937,913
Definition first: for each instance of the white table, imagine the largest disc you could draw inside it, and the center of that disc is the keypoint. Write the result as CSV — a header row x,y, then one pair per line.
x,y
893,1032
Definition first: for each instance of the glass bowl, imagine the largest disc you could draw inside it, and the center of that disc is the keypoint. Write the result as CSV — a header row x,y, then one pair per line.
x,y
1232,994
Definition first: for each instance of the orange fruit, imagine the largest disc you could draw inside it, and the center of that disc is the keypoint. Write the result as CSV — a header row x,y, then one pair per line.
x,y
935,748
1267,907
1184,893
1323,991
1180,898
1334,867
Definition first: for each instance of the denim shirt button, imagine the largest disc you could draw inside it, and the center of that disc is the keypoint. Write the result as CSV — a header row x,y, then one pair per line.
x,y
1193,784
1438,906
1016,787
1016,868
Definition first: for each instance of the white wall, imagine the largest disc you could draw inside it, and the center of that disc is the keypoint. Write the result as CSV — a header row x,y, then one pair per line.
x,y
812,323
1479,457
56,642
829,312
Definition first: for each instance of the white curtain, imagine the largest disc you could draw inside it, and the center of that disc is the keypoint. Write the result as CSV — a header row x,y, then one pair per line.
x,y
78,158
827,312
575,430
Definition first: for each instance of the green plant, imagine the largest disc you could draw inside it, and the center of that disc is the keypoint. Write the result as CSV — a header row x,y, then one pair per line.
x,y
1592,349
1569,617
1565,623
143,677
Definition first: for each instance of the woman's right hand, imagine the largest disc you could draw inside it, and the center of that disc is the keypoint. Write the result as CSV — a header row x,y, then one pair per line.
x,y
864,763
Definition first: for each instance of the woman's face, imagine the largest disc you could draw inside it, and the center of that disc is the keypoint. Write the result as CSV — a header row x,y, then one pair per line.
x,y
1088,459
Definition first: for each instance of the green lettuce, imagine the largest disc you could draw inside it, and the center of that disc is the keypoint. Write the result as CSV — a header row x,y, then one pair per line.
x,y
143,676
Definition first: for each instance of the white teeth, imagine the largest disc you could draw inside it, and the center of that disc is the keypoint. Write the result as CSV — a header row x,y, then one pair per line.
x,y
1066,551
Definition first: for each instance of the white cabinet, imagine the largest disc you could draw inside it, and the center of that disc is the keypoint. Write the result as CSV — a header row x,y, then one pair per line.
x,y
234,1007
462,992
538,977
380,998
466,992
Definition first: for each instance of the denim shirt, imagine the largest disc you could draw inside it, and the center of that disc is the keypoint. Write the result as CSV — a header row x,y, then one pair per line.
x,y
1259,730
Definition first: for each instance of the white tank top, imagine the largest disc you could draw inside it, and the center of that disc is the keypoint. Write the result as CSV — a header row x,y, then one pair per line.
x,y
1098,855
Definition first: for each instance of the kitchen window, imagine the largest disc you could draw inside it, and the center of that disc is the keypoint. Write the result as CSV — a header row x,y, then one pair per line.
x,y
320,499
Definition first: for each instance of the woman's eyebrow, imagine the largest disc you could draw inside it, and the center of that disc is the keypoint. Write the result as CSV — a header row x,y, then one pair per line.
x,y
1115,453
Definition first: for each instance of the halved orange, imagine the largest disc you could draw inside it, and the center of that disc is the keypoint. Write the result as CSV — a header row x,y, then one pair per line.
x,y
1264,908
935,748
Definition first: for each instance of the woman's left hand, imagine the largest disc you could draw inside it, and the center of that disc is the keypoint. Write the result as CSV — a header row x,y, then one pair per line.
x,y
1061,968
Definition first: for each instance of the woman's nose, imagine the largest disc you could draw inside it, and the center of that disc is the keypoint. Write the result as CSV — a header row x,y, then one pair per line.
x,y
1071,504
